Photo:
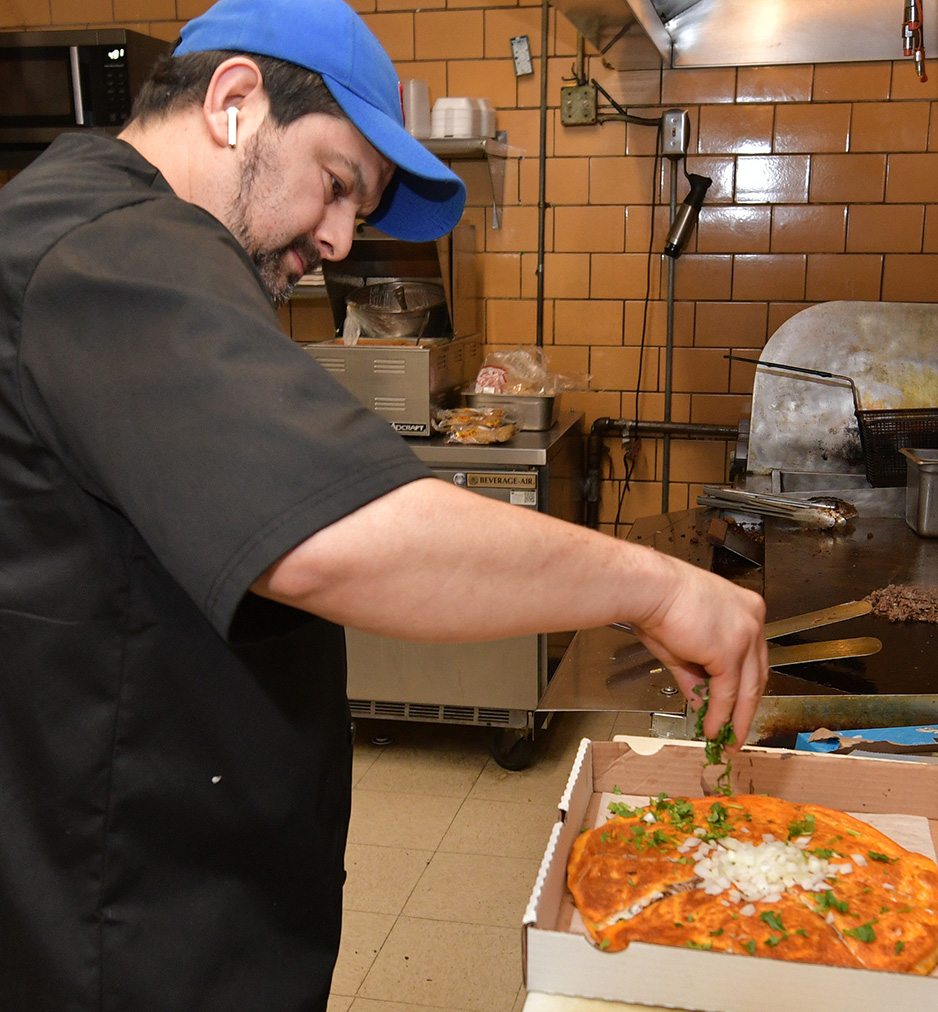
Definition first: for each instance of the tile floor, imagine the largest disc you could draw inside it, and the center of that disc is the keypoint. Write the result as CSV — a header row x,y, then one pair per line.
x,y
444,846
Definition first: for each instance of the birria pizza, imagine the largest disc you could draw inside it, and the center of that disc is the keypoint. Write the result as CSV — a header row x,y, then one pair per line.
x,y
760,876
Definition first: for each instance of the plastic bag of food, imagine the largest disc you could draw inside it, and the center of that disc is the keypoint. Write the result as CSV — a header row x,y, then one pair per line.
x,y
476,426
523,371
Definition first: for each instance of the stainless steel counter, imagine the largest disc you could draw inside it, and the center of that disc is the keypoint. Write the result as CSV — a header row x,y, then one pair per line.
x,y
530,449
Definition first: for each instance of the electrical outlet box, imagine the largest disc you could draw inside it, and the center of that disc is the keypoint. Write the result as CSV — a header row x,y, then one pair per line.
x,y
578,105
675,133
521,54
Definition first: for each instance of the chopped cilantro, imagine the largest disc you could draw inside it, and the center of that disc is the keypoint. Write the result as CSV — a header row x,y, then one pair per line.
x,y
803,827
604,944
822,852
681,813
874,855
802,932
623,810
718,813
827,901
864,933
691,944
750,947
899,947
715,934
773,940
714,747
660,803
660,838
773,919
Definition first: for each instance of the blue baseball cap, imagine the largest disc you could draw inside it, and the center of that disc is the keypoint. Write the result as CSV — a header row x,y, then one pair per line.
x,y
424,199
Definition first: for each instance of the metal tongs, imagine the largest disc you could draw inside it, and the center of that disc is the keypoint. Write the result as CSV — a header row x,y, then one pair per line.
x,y
637,659
820,512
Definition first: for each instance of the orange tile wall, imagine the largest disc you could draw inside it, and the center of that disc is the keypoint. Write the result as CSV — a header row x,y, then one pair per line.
x,y
825,187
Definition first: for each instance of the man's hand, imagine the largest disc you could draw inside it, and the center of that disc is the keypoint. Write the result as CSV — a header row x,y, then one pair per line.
x,y
711,632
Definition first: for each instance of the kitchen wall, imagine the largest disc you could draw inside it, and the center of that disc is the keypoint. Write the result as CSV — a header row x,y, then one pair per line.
x,y
825,187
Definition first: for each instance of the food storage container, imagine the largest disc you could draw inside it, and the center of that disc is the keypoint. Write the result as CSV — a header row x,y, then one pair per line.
x,y
921,491
535,412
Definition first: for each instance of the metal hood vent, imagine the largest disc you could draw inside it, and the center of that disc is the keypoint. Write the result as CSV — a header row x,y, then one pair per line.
x,y
644,34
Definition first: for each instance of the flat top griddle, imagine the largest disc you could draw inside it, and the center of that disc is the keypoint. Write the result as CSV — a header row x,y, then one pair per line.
x,y
803,570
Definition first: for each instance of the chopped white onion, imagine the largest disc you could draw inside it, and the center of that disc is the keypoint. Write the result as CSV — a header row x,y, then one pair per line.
x,y
859,860
758,872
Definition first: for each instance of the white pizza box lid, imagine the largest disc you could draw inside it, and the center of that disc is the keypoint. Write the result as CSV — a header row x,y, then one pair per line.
x,y
560,961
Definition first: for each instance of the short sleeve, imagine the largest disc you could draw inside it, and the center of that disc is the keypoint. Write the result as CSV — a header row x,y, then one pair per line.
x,y
154,366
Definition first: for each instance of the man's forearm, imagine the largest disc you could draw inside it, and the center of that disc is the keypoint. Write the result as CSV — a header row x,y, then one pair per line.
x,y
433,562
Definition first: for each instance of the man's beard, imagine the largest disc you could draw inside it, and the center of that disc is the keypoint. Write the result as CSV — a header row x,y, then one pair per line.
x,y
269,262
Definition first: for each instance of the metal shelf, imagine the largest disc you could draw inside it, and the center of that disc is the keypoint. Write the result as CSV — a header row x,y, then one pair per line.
x,y
470,147
494,149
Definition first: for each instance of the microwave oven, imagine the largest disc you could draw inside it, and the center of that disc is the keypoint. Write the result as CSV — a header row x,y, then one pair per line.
x,y
52,81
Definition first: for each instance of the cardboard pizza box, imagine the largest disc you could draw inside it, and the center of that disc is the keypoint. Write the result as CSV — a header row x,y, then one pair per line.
x,y
560,960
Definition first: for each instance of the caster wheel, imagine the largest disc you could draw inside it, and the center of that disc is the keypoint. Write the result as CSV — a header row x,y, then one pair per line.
x,y
511,749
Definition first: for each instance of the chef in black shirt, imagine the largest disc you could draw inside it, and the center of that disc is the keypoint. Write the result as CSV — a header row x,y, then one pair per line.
x,y
191,509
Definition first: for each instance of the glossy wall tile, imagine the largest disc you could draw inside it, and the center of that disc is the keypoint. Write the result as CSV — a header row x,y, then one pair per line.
x,y
824,186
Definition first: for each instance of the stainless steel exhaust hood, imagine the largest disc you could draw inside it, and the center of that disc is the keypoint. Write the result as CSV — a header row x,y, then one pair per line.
x,y
644,34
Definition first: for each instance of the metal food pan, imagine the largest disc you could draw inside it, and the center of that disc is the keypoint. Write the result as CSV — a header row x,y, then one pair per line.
x,y
535,413
921,491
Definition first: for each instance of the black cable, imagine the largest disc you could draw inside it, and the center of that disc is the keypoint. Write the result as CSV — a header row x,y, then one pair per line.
x,y
627,116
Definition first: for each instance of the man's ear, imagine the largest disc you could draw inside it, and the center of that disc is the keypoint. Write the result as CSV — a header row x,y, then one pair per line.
x,y
235,102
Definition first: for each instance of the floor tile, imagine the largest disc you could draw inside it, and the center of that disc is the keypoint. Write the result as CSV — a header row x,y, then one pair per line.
x,y
542,783
390,819
380,879
500,828
469,967
362,758
414,770
363,935
474,889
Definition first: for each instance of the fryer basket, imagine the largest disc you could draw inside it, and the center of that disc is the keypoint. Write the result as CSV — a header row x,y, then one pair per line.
x,y
883,433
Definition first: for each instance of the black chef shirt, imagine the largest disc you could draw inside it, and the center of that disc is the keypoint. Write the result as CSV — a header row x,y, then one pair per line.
x,y
174,751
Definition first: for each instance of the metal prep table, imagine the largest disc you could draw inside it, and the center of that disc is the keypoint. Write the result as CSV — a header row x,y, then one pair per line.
x,y
803,570
494,683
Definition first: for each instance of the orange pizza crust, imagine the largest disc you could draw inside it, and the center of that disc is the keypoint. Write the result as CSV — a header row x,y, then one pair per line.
x,y
638,878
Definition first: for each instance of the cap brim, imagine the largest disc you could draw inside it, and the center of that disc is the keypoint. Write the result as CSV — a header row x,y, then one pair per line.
x,y
424,199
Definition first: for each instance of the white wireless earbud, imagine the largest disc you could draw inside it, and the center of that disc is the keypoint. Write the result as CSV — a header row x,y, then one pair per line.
x,y
232,114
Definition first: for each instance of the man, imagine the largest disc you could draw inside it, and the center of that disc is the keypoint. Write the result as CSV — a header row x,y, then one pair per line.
x,y
190,510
